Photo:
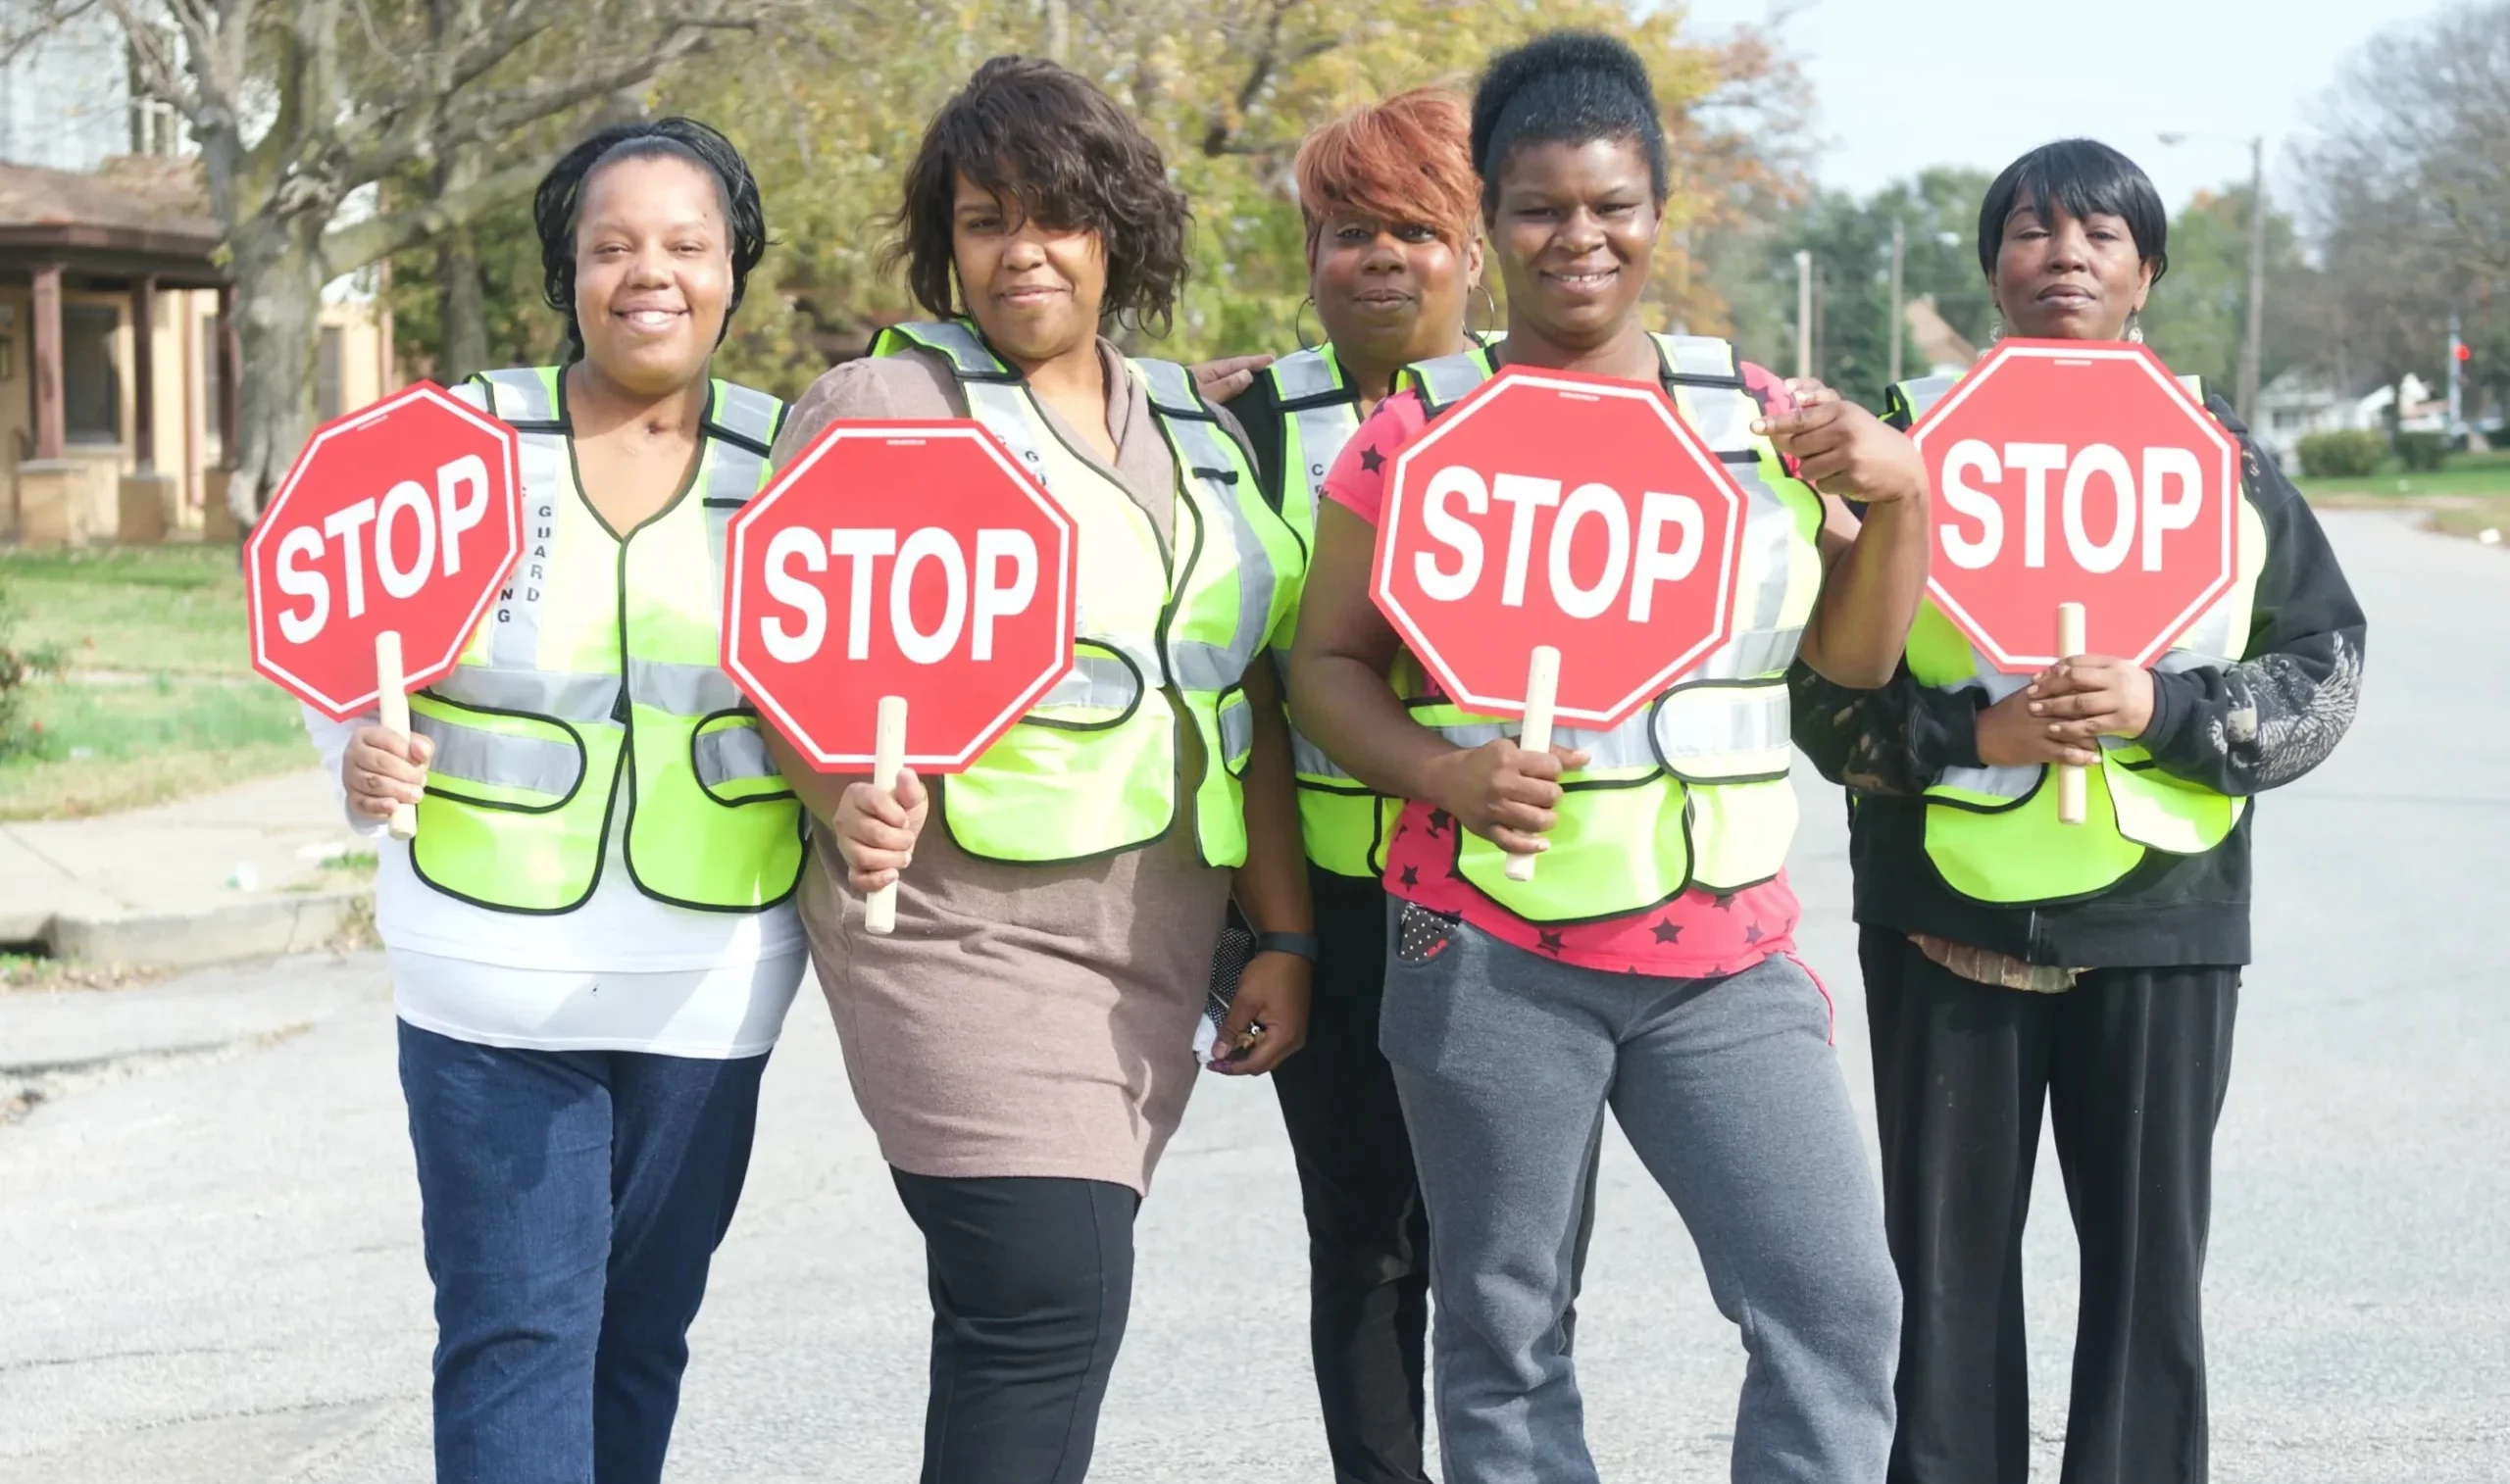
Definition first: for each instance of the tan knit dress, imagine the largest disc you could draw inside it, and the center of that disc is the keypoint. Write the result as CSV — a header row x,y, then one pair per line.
x,y
1022,1019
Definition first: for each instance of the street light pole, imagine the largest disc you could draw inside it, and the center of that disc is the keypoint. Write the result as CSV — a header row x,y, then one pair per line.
x,y
1899,251
1803,313
2252,349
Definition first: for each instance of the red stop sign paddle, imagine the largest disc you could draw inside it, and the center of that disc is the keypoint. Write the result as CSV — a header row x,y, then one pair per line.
x,y
2085,502
1559,545
381,553
902,593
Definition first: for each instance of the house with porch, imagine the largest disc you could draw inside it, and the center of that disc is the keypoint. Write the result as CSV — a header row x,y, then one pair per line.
x,y
117,355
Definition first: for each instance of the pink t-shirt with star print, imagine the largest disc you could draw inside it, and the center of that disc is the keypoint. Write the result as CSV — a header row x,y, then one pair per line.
x,y
1697,935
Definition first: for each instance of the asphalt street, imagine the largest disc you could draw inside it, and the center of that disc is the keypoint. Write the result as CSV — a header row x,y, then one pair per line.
x,y
210,1270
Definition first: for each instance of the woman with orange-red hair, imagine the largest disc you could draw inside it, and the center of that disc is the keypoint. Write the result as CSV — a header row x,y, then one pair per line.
x,y
1394,257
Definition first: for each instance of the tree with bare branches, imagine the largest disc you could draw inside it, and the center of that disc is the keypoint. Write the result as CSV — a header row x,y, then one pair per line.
x,y
299,108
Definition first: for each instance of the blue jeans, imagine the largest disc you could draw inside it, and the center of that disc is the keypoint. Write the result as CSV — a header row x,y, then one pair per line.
x,y
571,1202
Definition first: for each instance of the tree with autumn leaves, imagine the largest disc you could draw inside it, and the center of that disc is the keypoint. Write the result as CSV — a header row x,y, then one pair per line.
x,y
828,107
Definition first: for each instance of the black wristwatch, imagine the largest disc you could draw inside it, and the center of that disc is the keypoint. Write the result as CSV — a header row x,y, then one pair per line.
x,y
1301,944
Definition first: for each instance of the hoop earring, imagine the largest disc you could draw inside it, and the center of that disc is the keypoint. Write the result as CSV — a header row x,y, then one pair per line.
x,y
1995,329
1298,323
2135,326
1490,301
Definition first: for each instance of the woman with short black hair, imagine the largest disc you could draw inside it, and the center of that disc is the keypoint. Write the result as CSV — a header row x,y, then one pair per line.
x,y
592,938
1022,1045
1647,971
2014,965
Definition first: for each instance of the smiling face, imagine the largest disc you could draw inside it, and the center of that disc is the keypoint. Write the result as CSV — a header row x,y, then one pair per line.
x,y
1389,293
1574,227
653,273
2063,277
1035,290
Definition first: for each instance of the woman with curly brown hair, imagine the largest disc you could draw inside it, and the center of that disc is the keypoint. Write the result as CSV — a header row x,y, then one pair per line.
x,y
1023,1043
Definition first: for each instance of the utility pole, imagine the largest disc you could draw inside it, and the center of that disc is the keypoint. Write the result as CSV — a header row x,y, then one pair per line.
x,y
2252,349
1899,252
1803,313
2457,350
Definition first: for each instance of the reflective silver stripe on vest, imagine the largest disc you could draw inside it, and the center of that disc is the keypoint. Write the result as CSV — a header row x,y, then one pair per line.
x,y
1308,761
734,473
729,754
1755,719
1723,419
1925,391
1005,408
2014,783
469,754
1203,446
577,696
1323,427
1448,379
1750,719
1697,354
1237,722
1099,681
518,395
684,690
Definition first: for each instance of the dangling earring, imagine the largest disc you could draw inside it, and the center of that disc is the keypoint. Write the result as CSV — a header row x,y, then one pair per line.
x,y
1490,301
1298,323
2135,326
1995,329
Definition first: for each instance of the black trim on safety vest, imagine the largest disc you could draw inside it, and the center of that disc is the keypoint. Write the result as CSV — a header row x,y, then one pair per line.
x,y
710,429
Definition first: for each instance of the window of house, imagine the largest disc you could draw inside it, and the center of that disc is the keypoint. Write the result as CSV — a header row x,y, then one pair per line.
x,y
326,375
90,391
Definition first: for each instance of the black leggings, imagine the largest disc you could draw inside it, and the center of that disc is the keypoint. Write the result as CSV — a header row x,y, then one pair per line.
x,y
1031,1279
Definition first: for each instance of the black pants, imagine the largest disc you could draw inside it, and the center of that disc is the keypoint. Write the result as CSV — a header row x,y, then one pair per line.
x,y
2133,1064
1368,1233
1032,1280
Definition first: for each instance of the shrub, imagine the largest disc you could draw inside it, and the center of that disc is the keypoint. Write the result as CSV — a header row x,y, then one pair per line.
x,y
2350,454
2420,453
18,666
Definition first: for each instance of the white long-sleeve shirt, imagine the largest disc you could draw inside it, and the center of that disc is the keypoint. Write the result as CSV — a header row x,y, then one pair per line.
x,y
621,973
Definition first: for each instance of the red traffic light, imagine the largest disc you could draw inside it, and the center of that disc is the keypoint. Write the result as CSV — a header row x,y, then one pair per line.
x,y
2465,352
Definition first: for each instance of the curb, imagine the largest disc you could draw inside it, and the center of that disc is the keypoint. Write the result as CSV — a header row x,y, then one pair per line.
x,y
252,929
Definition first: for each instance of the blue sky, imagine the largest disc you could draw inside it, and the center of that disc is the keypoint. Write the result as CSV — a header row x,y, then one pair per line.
x,y
1906,83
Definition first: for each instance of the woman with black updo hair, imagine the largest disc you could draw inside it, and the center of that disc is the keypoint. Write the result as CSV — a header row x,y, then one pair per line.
x,y
591,937
1647,969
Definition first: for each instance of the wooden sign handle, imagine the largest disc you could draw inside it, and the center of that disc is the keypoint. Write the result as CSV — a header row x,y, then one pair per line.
x,y
1543,689
392,709
2073,797
888,754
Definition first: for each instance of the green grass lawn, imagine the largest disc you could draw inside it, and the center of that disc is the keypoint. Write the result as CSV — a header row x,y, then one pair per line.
x,y
2463,474
158,699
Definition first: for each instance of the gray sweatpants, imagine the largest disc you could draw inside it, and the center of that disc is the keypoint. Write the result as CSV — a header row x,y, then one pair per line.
x,y
1730,1092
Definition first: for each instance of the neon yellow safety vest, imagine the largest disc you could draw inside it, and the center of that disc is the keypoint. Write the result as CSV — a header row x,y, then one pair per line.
x,y
1094,768
1345,822
1691,790
592,692
1992,832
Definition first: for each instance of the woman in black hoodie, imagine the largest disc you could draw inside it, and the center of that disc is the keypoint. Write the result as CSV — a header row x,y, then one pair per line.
x,y
2011,962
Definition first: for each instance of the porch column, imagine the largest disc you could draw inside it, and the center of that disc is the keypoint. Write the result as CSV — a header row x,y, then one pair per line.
x,y
144,374
49,429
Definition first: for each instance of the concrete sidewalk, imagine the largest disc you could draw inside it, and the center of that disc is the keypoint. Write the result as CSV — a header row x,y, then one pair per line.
x,y
199,881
